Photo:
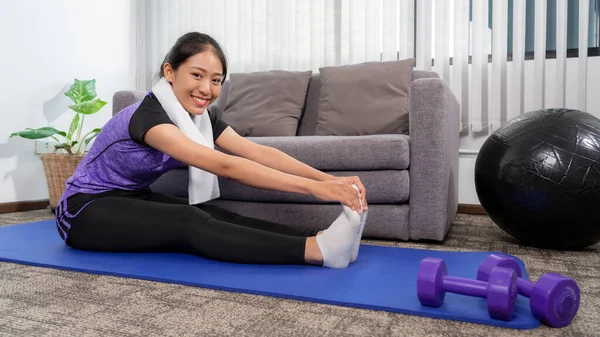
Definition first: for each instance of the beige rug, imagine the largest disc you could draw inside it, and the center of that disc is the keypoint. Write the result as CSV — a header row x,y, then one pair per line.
x,y
47,302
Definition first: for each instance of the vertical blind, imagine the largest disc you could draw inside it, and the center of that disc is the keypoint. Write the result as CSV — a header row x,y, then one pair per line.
x,y
454,38
493,91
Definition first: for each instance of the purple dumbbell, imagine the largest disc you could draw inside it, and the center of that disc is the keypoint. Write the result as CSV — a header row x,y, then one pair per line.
x,y
500,291
554,298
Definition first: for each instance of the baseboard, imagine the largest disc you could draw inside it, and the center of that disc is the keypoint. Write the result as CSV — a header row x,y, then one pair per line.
x,y
471,209
22,206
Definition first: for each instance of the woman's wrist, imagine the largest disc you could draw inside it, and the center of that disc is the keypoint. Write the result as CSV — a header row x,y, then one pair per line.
x,y
325,177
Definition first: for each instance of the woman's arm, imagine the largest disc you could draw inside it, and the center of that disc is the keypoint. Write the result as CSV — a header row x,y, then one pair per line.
x,y
232,142
170,140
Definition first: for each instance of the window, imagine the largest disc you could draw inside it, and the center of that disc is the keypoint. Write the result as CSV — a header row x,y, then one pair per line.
x,y
572,27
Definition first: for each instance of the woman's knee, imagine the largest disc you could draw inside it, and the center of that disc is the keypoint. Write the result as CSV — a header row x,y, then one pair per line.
x,y
217,212
192,215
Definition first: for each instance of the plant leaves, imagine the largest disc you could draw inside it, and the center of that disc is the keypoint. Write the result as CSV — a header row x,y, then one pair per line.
x,y
37,133
88,108
73,127
92,136
82,91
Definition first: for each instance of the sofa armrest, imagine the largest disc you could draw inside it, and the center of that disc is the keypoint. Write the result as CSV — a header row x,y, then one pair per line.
x,y
434,141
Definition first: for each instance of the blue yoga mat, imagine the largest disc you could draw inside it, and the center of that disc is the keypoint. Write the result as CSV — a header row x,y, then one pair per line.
x,y
383,278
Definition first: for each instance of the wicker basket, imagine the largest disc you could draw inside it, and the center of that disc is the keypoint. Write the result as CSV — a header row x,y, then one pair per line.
x,y
59,168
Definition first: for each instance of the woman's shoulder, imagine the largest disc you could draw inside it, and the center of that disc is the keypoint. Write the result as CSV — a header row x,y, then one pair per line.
x,y
150,105
148,114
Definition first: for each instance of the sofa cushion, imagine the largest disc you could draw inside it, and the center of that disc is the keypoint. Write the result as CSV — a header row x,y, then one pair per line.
x,y
268,103
308,122
384,221
345,153
383,187
364,99
124,98
383,159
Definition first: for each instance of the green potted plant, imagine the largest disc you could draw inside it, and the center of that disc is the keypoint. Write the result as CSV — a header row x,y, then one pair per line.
x,y
71,145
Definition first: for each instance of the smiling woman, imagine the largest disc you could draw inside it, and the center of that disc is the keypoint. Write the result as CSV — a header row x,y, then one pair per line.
x,y
108,205
198,82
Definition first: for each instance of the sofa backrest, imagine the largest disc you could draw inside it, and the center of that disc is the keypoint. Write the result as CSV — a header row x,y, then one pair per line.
x,y
125,98
308,121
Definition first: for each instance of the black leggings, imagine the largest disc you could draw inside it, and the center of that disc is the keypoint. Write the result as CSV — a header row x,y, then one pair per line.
x,y
153,222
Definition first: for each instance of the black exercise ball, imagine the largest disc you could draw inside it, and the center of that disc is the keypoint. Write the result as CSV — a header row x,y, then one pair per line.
x,y
538,178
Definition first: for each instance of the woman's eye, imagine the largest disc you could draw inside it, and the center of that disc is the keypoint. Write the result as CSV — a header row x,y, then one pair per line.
x,y
197,75
218,81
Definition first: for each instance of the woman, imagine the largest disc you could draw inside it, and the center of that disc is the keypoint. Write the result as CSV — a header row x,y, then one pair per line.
x,y
108,206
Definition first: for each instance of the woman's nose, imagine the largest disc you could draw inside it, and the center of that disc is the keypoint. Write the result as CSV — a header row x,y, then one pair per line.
x,y
204,87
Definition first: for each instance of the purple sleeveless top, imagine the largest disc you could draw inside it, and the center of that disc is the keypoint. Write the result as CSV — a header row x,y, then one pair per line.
x,y
119,160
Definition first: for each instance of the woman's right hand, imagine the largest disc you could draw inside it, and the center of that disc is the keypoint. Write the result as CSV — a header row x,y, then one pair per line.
x,y
337,190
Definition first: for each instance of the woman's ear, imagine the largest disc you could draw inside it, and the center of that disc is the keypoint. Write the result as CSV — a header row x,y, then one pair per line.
x,y
168,71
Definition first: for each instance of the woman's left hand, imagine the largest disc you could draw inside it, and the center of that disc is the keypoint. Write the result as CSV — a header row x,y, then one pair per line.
x,y
363,192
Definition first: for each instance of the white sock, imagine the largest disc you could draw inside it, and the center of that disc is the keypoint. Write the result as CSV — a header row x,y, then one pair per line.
x,y
356,246
363,220
337,241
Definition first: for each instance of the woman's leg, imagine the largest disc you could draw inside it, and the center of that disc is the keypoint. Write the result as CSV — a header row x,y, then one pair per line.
x,y
121,224
228,216
336,246
247,221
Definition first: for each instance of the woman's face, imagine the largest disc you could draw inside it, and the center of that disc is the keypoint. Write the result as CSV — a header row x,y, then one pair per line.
x,y
197,81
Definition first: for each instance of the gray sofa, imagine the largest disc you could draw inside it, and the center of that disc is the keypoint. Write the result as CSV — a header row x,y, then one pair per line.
x,y
411,180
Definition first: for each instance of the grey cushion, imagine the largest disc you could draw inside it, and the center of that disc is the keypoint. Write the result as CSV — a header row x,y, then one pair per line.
x,y
365,99
218,105
174,182
384,221
383,187
268,103
350,153
308,122
125,98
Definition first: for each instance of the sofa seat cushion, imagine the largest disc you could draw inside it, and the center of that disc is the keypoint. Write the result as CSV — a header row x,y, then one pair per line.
x,y
345,153
384,221
383,187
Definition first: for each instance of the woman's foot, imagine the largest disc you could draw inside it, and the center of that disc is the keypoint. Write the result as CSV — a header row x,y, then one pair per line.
x,y
356,246
336,243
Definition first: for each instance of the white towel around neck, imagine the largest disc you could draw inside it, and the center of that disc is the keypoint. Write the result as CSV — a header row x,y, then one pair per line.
x,y
203,185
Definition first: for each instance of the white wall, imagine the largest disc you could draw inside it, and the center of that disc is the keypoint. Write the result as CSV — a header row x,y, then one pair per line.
x,y
45,45
466,190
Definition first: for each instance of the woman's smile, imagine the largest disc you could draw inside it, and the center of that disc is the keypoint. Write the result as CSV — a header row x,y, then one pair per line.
x,y
200,102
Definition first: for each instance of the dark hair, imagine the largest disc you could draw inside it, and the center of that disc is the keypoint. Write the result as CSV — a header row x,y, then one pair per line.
x,y
191,44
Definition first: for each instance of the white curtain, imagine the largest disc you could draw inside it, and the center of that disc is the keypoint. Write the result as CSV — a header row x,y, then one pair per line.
x,y
262,35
